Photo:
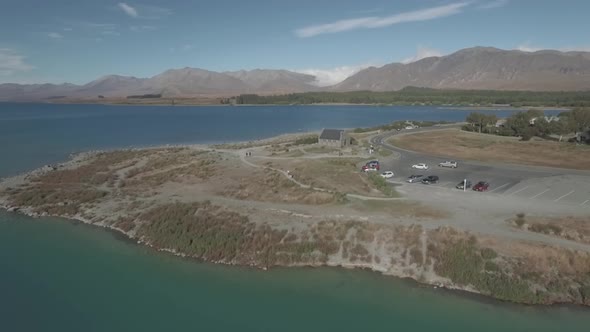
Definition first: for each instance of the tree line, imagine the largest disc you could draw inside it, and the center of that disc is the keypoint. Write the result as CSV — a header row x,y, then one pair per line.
x,y
425,96
531,123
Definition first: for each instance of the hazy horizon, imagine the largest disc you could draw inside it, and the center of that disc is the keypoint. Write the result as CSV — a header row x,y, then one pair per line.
x,y
77,43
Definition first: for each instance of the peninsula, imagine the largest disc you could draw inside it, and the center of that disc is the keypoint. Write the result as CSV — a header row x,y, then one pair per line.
x,y
293,201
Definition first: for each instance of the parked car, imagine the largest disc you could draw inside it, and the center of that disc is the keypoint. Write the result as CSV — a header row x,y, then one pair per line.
x,y
430,179
367,168
451,164
414,178
420,166
387,175
464,185
481,186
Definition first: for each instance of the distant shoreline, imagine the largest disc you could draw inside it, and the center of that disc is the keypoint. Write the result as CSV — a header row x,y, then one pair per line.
x,y
441,106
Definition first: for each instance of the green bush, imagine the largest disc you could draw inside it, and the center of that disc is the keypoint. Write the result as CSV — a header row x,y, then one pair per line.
x,y
465,265
487,253
381,184
307,140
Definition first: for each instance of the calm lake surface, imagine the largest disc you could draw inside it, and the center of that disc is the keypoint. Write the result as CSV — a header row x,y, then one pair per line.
x,y
59,276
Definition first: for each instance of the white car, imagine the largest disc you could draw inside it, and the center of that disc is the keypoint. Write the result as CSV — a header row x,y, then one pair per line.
x,y
387,175
420,166
451,164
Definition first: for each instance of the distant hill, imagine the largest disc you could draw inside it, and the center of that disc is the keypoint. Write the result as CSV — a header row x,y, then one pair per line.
x,y
482,68
185,82
275,81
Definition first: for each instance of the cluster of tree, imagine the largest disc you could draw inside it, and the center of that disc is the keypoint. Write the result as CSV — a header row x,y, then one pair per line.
x,y
531,123
426,96
397,125
146,96
480,122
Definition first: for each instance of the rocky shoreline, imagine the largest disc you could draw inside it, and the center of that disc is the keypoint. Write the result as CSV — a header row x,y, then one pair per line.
x,y
436,282
441,257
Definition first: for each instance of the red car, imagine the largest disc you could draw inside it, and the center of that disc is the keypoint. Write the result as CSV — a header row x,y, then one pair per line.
x,y
367,168
481,186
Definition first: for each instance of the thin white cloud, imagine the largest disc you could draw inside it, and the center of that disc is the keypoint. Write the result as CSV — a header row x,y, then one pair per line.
x,y
493,4
528,47
127,9
153,12
93,25
11,62
421,53
55,35
140,28
67,29
110,33
331,76
379,22
143,11
368,11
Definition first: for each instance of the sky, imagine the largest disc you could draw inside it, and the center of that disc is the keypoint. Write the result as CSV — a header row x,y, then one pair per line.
x,y
60,41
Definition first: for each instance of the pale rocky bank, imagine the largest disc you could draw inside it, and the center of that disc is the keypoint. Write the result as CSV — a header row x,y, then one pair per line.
x,y
288,204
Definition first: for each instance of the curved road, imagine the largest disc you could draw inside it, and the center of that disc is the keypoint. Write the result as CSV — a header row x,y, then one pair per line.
x,y
551,184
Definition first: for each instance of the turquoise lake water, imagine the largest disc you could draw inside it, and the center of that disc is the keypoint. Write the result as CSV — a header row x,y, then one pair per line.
x,y
59,276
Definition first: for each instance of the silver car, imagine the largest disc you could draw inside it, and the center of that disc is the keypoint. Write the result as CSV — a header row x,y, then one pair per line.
x,y
414,178
451,164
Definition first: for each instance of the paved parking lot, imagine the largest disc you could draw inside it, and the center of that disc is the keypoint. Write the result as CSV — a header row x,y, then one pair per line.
x,y
570,191
560,186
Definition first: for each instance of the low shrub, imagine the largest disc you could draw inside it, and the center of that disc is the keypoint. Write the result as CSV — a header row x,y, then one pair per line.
x,y
381,184
307,140
545,228
520,219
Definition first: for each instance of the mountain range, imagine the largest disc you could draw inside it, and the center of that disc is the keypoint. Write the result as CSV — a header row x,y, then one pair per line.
x,y
483,68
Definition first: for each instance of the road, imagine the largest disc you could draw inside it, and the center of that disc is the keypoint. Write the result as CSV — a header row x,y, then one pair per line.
x,y
556,185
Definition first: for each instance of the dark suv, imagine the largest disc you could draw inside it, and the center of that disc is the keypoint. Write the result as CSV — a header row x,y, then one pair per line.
x,y
430,179
464,185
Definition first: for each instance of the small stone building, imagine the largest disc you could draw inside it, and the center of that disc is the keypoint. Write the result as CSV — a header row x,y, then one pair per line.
x,y
335,138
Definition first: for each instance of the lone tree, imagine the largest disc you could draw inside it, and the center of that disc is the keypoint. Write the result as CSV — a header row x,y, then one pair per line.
x,y
481,120
580,119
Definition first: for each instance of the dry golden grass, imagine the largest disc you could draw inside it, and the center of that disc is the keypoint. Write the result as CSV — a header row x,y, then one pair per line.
x,y
321,149
399,209
337,174
271,186
490,148
571,228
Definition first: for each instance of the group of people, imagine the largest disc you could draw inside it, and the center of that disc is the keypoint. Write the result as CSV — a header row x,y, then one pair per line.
x,y
248,154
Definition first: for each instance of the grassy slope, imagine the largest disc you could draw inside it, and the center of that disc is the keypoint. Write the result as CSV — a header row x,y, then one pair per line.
x,y
491,148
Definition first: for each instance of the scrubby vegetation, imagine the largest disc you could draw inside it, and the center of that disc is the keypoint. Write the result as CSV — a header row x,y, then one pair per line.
x,y
464,263
571,228
397,125
426,96
381,184
272,186
212,233
56,202
524,273
307,140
